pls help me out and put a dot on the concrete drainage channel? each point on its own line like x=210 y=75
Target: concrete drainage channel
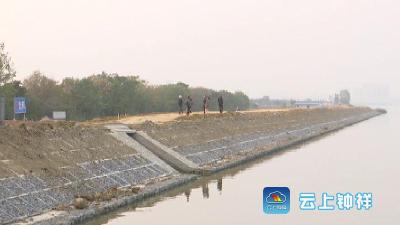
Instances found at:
x=170 y=156
x=124 y=134
x=153 y=160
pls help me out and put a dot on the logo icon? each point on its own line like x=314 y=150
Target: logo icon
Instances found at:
x=276 y=200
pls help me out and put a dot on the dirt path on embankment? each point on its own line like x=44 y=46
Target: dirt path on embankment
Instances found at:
x=160 y=118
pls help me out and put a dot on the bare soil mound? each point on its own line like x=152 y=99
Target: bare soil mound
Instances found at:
x=27 y=147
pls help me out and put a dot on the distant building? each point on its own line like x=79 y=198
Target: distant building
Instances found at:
x=61 y=115
x=336 y=100
x=310 y=103
x=267 y=102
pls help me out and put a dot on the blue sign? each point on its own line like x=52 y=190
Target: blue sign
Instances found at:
x=276 y=200
x=19 y=105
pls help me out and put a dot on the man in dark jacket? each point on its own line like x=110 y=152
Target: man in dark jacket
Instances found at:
x=205 y=104
x=189 y=103
x=180 y=104
x=220 y=104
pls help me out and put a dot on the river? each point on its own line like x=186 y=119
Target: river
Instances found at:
x=361 y=158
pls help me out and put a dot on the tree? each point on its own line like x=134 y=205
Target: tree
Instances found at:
x=344 y=97
x=8 y=87
x=7 y=72
x=164 y=98
x=109 y=94
x=241 y=100
x=69 y=102
x=88 y=99
x=43 y=95
x=124 y=96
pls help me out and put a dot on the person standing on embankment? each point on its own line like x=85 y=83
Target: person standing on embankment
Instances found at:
x=180 y=104
x=221 y=104
x=205 y=104
x=189 y=103
x=206 y=100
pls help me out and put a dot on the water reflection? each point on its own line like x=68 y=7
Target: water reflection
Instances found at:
x=206 y=192
x=205 y=189
x=219 y=185
x=187 y=190
x=187 y=194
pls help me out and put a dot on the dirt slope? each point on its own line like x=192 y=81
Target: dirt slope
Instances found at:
x=195 y=130
x=27 y=147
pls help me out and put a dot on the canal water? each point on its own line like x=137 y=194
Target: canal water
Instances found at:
x=361 y=158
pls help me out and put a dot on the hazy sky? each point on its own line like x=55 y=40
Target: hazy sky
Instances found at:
x=280 y=48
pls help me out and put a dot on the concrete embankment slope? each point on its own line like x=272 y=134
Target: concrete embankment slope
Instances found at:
x=45 y=166
x=220 y=141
